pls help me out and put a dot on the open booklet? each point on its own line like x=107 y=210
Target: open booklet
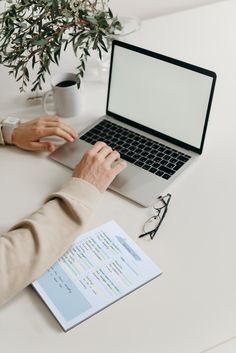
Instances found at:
x=101 y=267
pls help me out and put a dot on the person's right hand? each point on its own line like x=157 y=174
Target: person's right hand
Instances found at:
x=96 y=166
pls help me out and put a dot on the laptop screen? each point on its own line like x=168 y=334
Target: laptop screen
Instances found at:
x=165 y=95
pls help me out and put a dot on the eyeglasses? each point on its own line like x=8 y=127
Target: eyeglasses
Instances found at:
x=159 y=209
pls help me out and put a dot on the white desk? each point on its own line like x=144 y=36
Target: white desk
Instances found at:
x=191 y=307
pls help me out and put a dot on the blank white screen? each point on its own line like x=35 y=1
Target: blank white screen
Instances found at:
x=162 y=96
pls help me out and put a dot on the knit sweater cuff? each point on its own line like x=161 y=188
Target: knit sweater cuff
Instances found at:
x=78 y=192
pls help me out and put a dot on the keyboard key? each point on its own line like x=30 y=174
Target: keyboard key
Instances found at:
x=136 y=156
x=88 y=139
x=166 y=176
x=131 y=135
x=170 y=165
x=174 y=155
x=166 y=157
x=176 y=167
x=163 y=162
x=152 y=170
x=166 y=170
x=138 y=163
x=146 y=166
x=153 y=151
x=142 y=140
x=173 y=160
x=160 y=154
x=138 y=150
x=168 y=151
x=149 y=161
x=127 y=158
x=149 y=143
x=180 y=164
x=124 y=150
x=159 y=173
x=157 y=159
x=156 y=165
x=183 y=158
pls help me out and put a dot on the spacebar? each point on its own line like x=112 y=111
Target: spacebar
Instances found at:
x=127 y=158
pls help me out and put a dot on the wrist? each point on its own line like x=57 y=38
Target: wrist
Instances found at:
x=13 y=136
x=8 y=126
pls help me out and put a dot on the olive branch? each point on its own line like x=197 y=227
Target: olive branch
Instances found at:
x=34 y=33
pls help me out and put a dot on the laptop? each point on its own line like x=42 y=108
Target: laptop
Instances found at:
x=156 y=117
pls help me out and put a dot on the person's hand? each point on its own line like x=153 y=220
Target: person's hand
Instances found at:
x=97 y=166
x=28 y=135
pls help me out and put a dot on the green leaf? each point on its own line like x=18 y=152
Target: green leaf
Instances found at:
x=41 y=42
x=110 y=12
x=33 y=32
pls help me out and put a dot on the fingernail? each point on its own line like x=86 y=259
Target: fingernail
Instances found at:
x=51 y=148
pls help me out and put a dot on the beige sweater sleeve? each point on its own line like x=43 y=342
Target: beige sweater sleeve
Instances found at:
x=33 y=245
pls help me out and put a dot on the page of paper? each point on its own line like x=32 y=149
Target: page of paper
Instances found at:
x=101 y=266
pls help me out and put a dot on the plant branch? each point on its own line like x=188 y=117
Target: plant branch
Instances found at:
x=35 y=32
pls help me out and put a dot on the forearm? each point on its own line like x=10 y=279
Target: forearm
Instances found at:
x=34 y=244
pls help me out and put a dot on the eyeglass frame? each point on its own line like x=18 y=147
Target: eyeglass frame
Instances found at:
x=153 y=232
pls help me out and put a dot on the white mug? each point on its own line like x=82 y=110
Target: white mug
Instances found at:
x=65 y=94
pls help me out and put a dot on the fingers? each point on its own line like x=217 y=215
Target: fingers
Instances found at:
x=96 y=166
x=42 y=146
x=42 y=125
x=51 y=147
x=112 y=157
x=98 y=146
x=105 y=152
x=56 y=131
x=61 y=125
x=119 y=167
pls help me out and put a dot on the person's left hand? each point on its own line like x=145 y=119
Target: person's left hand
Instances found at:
x=28 y=135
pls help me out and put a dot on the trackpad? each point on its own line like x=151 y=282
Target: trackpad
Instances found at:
x=70 y=154
x=134 y=183
x=138 y=185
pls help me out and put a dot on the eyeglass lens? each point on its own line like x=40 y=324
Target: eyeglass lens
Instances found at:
x=159 y=209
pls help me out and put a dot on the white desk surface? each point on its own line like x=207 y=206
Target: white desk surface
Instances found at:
x=191 y=307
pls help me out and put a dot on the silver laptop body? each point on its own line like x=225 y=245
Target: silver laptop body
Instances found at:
x=163 y=100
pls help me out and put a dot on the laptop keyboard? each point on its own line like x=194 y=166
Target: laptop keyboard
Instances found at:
x=138 y=149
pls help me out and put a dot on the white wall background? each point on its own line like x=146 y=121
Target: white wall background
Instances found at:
x=152 y=8
x=149 y=8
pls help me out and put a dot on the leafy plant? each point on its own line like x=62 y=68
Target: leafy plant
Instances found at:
x=34 y=33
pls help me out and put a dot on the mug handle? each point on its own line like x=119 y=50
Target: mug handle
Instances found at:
x=45 y=97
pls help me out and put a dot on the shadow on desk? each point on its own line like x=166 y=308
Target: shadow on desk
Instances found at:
x=42 y=310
